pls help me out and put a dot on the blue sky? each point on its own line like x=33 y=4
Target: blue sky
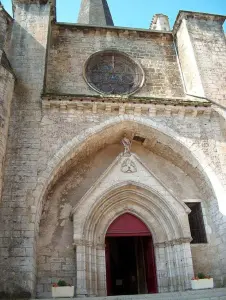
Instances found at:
x=137 y=13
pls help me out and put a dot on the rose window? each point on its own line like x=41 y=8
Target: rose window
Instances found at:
x=113 y=73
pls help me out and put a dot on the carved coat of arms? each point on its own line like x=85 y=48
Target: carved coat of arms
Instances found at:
x=128 y=166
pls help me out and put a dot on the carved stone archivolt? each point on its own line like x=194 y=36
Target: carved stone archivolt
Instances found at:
x=116 y=192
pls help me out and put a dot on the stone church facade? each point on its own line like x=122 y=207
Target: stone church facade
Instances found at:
x=105 y=129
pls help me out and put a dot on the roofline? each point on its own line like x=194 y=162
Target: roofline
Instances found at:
x=201 y=13
x=8 y=17
x=194 y=14
x=87 y=26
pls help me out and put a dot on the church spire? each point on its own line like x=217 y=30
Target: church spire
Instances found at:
x=95 y=12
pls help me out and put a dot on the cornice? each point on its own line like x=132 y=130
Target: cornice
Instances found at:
x=134 y=106
x=132 y=99
x=183 y=14
x=115 y=30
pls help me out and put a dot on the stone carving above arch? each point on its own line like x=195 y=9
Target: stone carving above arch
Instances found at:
x=117 y=191
x=128 y=166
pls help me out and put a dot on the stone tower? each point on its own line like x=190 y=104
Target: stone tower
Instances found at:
x=160 y=22
x=95 y=12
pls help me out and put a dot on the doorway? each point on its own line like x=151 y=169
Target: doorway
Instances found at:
x=130 y=261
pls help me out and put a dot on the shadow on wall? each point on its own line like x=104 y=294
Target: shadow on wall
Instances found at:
x=27 y=57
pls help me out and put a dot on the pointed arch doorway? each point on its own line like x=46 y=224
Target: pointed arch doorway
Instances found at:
x=130 y=258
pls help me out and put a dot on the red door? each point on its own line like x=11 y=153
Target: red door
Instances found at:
x=128 y=225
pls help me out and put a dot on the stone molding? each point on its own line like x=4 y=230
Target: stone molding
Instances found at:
x=165 y=218
x=179 y=241
x=194 y=109
x=129 y=182
x=125 y=31
x=88 y=244
x=174 y=242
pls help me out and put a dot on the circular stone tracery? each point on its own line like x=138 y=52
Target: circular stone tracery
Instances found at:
x=113 y=73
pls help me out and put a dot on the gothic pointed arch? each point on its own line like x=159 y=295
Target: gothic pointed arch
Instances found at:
x=96 y=136
x=164 y=217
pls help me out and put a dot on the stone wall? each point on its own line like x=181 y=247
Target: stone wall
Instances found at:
x=27 y=56
x=202 y=47
x=44 y=144
x=56 y=254
x=6 y=92
x=57 y=129
x=58 y=126
x=56 y=229
x=6 y=22
x=3 y=26
x=71 y=46
x=189 y=67
x=209 y=43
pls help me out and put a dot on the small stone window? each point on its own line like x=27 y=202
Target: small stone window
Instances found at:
x=139 y=139
x=113 y=73
x=196 y=222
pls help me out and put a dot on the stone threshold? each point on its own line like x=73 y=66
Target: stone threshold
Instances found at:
x=210 y=294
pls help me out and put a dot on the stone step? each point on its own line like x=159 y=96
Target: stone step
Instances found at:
x=213 y=294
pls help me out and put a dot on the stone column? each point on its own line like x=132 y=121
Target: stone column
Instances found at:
x=170 y=266
x=174 y=265
x=180 y=266
x=94 y=270
x=188 y=263
x=89 y=272
x=161 y=267
x=101 y=271
x=81 y=288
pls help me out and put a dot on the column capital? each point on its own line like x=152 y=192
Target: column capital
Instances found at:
x=180 y=241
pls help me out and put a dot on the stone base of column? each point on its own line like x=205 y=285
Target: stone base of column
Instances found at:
x=81 y=293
